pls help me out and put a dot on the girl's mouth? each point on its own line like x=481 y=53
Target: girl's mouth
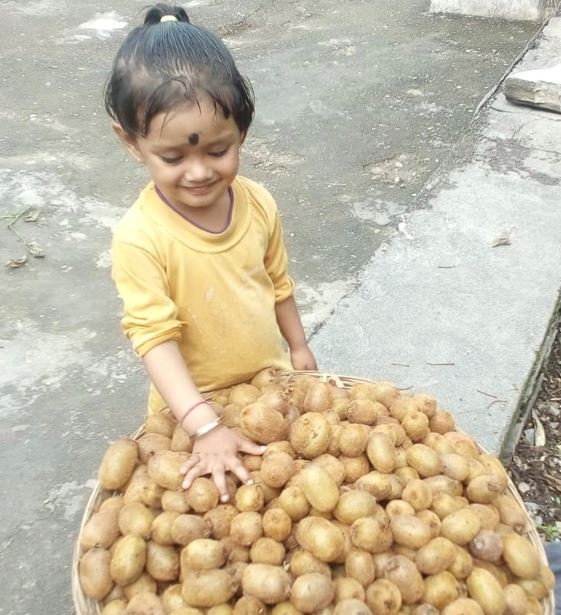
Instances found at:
x=202 y=189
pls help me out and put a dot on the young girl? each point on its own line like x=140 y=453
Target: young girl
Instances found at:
x=199 y=259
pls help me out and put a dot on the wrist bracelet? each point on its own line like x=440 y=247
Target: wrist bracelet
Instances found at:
x=202 y=431
x=189 y=410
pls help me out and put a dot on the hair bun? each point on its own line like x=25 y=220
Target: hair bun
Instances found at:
x=156 y=12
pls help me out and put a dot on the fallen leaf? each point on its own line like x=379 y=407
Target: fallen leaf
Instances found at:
x=540 y=431
x=32 y=215
x=553 y=482
x=14 y=263
x=34 y=249
x=502 y=240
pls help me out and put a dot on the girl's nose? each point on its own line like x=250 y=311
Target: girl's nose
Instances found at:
x=197 y=172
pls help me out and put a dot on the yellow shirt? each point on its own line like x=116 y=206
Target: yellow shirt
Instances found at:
x=215 y=294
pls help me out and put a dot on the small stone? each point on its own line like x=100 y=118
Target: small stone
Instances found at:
x=523 y=487
x=532 y=508
x=530 y=435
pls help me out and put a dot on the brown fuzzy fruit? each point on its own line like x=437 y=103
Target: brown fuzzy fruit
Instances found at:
x=321 y=537
x=277 y=524
x=277 y=468
x=149 y=443
x=410 y=531
x=94 y=573
x=364 y=411
x=383 y=596
x=353 y=438
x=521 y=556
x=202 y=495
x=312 y=592
x=403 y=573
x=487 y=545
x=101 y=529
x=441 y=589
x=165 y=468
x=243 y=394
x=263 y=424
x=118 y=464
x=442 y=422
x=310 y=435
x=416 y=425
x=486 y=590
x=318 y=398
x=270 y=584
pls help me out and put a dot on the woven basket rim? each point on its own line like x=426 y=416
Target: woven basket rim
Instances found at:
x=86 y=606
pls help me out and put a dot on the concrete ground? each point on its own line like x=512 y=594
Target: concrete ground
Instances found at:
x=460 y=303
x=358 y=105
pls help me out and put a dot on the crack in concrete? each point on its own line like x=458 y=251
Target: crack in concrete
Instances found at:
x=521 y=145
x=544 y=114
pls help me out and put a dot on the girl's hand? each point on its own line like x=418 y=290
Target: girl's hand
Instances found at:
x=217 y=453
x=302 y=358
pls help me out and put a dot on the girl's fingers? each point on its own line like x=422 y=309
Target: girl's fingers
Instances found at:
x=190 y=463
x=191 y=475
x=209 y=462
x=246 y=446
x=237 y=468
x=219 y=478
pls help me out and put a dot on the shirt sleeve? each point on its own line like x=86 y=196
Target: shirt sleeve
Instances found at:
x=150 y=316
x=276 y=263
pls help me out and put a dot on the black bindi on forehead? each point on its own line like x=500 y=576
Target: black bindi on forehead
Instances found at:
x=193 y=138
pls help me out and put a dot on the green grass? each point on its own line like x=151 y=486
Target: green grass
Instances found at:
x=550 y=531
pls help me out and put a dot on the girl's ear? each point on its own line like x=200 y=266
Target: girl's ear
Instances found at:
x=128 y=141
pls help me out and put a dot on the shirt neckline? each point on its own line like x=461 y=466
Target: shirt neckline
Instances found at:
x=186 y=233
x=195 y=224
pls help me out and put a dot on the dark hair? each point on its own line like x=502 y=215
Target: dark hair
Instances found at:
x=161 y=64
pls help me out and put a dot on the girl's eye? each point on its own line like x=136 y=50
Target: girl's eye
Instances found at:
x=218 y=154
x=171 y=160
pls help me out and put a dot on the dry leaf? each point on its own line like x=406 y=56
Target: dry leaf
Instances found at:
x=553 y=482
x=540 y=431
x=14 y=263
x=34 y=249
x=502 y=240
x=32 y=215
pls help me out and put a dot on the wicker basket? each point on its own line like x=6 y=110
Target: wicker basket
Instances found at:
x=85 y=606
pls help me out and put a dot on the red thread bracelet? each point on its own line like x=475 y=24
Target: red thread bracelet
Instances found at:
x=189 y=410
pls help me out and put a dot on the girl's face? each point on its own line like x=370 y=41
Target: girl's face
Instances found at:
x=191 y=153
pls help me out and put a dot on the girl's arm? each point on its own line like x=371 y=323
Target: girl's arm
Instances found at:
x=214 y=453
x=292 y=330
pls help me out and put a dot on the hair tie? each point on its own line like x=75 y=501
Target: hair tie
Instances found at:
x=168 y=18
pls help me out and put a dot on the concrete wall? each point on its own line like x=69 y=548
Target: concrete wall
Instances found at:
x=507 y=9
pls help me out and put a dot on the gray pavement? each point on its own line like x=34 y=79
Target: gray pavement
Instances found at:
x=508 y=9
x=442 y=307
x=359 y=104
